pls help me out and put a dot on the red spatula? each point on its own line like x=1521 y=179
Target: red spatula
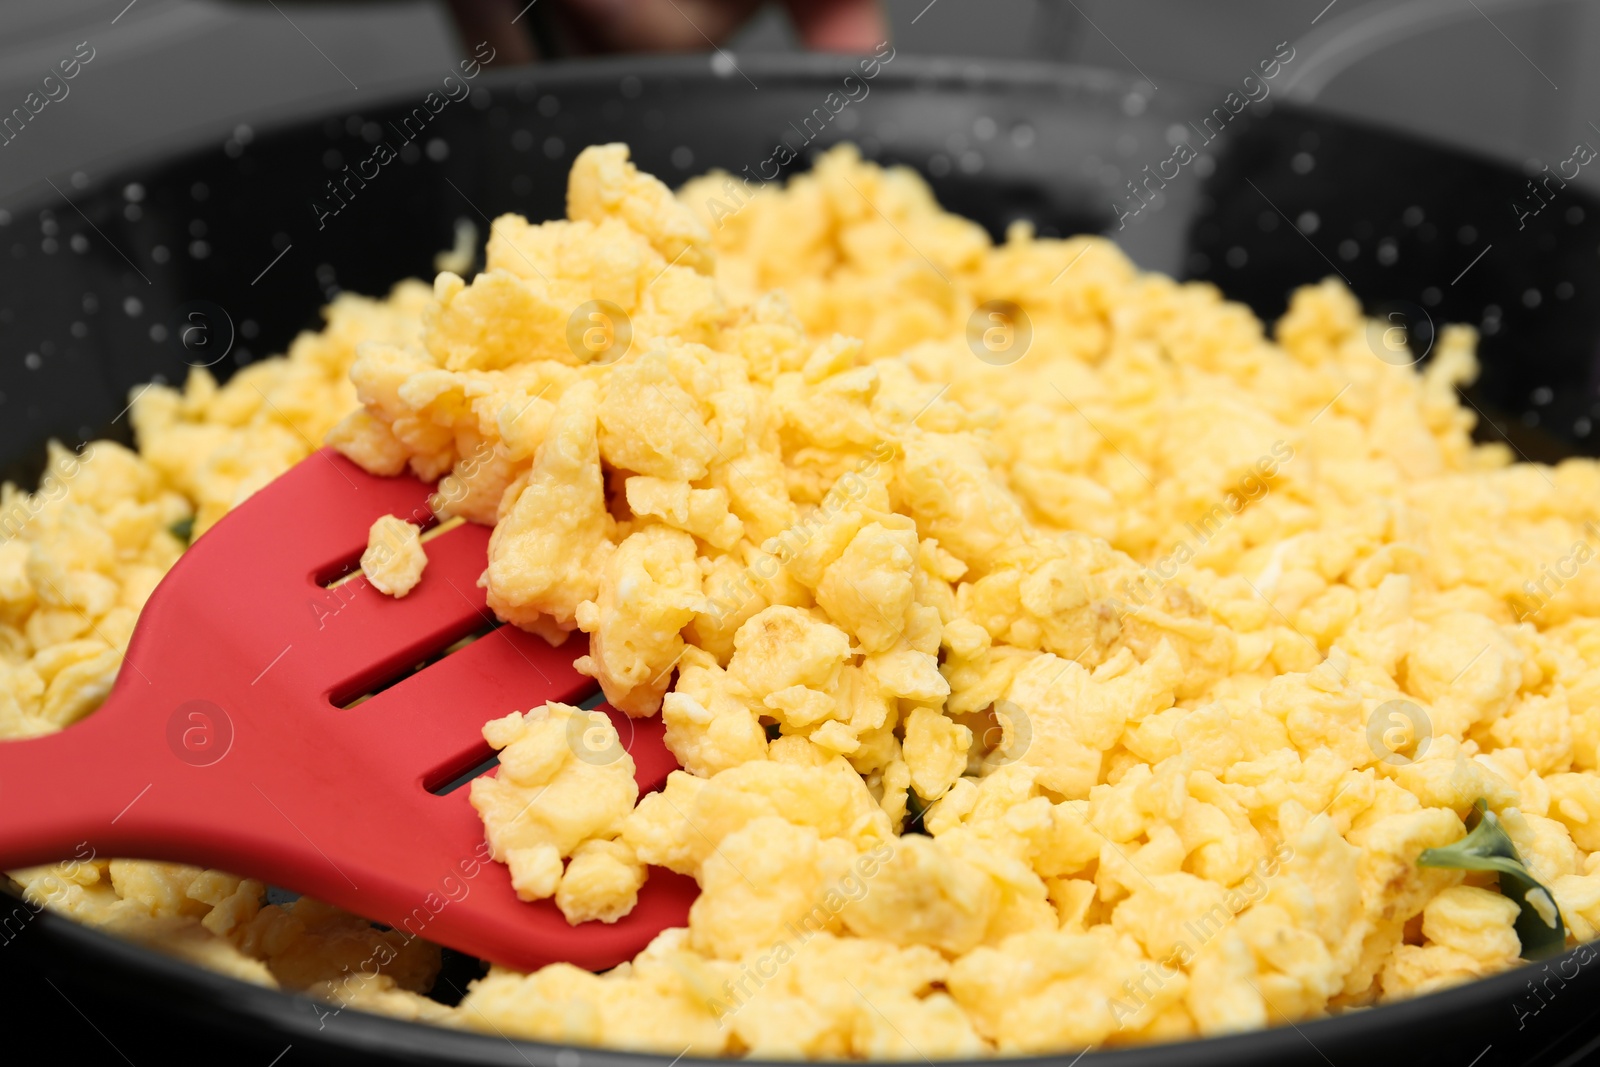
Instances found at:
x=226 y=741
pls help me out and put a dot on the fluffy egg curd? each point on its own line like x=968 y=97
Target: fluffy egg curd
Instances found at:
x=394 y=559
x=1020 y=708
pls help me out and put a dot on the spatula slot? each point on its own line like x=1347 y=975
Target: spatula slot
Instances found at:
x=345 y=700
x=340 y=570
x=447 y=779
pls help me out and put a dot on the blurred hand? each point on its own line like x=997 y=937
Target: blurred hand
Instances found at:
x=591 y=26
x=600 y=26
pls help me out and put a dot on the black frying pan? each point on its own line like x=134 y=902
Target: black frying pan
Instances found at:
x=1421 y=232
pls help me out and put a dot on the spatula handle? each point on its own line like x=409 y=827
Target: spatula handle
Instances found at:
x=62 y=790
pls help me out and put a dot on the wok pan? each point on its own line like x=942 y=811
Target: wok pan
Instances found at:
x=100 y=275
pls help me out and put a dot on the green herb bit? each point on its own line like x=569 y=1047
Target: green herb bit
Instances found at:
x=1487 y=847
x=183 y=529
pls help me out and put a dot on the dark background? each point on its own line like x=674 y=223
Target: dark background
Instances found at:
x=1514 y=78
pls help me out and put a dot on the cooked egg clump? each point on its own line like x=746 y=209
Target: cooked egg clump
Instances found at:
x=394 y=559
x=564 y=786
x=1101 y=695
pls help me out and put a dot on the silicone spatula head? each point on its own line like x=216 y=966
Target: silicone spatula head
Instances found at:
x=229 y=739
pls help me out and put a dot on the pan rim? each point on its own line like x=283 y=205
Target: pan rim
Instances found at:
x=299 y=1015
x=780 y=68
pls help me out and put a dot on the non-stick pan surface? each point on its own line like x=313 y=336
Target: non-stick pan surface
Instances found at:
x=101 y=281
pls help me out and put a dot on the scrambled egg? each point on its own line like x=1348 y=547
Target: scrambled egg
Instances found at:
x=394 y=559
x=1020 y=708
x=564 y=787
